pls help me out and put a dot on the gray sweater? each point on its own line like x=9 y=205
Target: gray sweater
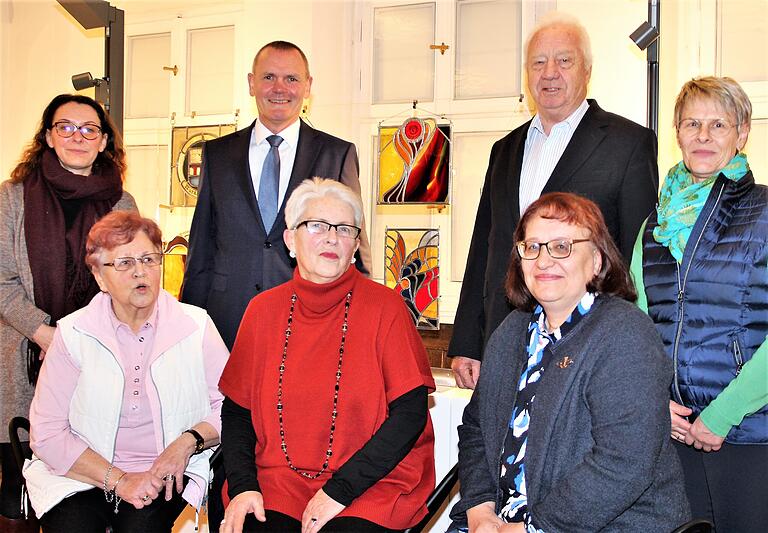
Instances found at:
x=599 y=455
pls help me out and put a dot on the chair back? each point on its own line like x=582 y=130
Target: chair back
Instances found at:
x=436 y=499
x=17 y=423
x=697 y=525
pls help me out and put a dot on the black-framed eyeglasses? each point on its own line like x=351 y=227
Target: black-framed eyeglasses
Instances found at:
x=67 y=129
x=122 y=264
x=557 y=249
x=319 y=227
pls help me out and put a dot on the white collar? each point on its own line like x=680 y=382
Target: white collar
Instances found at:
x=290 y=134
x=572 y=120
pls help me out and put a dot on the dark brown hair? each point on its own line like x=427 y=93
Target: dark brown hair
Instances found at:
x=33 y=155
x=613 y=278
x=116 y=228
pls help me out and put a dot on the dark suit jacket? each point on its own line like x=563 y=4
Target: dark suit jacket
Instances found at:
x=610 y=160
x=231 y=258
x=595 y=459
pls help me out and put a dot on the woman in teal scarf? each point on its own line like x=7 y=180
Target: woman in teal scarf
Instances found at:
x=701 y=268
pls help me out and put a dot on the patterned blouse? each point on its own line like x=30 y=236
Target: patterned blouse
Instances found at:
x=512 y=482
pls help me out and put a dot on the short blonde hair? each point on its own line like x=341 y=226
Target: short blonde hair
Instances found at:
x=724 y=91
x=554 y=19
x=314 y=189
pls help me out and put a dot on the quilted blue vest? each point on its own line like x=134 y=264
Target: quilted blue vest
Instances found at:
x=712 y=309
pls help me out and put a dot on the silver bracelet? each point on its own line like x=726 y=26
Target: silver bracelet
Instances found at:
x=117 y=498
x=108 y=495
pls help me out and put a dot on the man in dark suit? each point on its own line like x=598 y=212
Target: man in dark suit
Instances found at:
x=570 y=145
x=234 y=253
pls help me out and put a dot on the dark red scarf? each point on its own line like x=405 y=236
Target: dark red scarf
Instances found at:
x=59 y=210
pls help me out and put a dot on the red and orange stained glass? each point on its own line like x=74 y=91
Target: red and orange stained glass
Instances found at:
x=411 y=267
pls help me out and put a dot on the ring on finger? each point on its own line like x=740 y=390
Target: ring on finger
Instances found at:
x=145 y=498
x=169 y=477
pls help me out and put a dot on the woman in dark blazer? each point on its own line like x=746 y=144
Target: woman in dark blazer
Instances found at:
x=554 y=438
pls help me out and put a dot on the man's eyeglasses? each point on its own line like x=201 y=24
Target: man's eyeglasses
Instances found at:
x=318 y=227
x=717 y=127
x=557 y=249
x=66 y=129
x=127 y=263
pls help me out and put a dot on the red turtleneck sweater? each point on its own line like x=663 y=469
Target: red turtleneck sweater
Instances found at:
x=383 y=359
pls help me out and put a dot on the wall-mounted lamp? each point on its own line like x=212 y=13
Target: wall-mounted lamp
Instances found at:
x=645 y=35
x=84 y=80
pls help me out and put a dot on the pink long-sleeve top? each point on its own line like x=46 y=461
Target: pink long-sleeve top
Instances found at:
x=139 y=437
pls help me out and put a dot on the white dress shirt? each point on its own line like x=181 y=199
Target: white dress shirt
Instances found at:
x=542 y=152
x=259 y=148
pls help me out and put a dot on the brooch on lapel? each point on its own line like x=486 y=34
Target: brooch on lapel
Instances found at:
x=565 y=362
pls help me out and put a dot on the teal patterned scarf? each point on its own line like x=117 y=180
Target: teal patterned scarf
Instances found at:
x=681 y=200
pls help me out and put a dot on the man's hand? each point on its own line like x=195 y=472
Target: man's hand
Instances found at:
x=466 y=371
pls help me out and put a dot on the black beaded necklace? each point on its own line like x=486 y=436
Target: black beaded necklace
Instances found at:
x=283 y=444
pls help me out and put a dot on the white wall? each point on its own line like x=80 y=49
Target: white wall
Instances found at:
x=41 y=46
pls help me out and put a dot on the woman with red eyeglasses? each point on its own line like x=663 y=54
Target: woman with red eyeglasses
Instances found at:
x=69 y=176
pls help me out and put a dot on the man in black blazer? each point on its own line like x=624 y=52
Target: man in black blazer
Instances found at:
x=232 y=256
x=570 y=145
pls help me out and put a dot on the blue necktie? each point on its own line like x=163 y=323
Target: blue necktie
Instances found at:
x=270 y=182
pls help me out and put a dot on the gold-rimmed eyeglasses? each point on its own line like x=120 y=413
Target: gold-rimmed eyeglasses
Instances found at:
x=557 y=249
x=122 y=264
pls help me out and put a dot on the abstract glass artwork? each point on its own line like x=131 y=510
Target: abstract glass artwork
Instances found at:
x=411 y=267
x=174 y=261
x=414 y=162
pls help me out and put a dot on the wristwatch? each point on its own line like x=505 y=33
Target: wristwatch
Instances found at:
x=199 y=441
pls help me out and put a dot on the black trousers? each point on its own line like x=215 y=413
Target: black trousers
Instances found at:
x=278 y=523
x=728 y=487
x=10 y=481
x=89 y=512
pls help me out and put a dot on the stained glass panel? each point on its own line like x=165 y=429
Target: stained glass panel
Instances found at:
x=411 y=267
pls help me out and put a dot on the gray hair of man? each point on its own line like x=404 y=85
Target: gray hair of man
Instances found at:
x=315 y=189
x=725 y=92
x=554 y=19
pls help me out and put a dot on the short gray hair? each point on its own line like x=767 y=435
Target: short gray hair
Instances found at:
x=554 y=19
x=314 y=189
x=724 y=91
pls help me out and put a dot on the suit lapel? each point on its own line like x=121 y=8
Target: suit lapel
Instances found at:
x=588 y=135
x=307 y=150
x=517 y=148
x=241 y=168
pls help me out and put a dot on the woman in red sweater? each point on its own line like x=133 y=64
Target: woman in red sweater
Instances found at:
x=325 y=421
